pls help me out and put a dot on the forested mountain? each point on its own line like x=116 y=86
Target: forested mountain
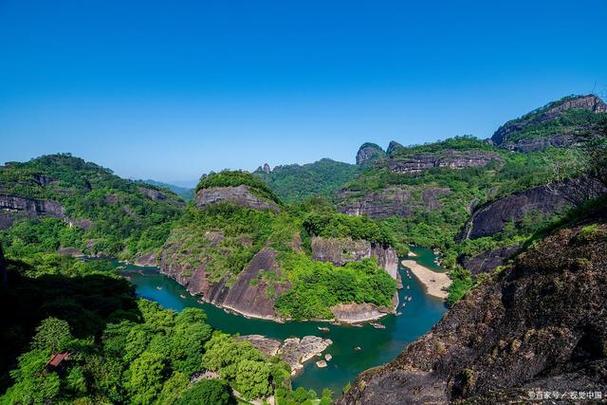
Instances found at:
x=60 y=201
x=297 y=182
x=316 y=241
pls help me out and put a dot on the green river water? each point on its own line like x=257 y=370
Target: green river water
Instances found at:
x=377 y=346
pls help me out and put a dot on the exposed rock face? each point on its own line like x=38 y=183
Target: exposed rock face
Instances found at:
x=391 y=201
x=294 y=351
x=490 y=218
x=146 y=260
x=240 y=195
x=340 y=251
x=488 y=261
x=451 y=159
x=369 y=152
x=539 y=325
x=13 y=207
x=248 y=294
x=356 y=313
x=552 y=111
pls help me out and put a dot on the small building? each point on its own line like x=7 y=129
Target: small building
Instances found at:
x=57 y=361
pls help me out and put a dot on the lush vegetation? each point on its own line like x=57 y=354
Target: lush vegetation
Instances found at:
x=121 y=350
x=114 y=217
x=297 y=182
x=234 y=178
x=227 y=237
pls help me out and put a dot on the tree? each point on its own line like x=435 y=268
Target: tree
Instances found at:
x=145 y=377
x=208 y=392
x=253 y=379
x=53 y=334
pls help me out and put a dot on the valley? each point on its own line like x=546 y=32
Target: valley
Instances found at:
x=149 y=295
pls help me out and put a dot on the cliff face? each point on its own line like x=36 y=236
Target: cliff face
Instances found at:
x=239 y=195
x=492 y=217
x=368 y=153
x=340 y=251
x=488 y=261
x=391 y=201
x=13 y=207
x=506 y=135
x=450 y=159
x=248 y=294
x=540 y=324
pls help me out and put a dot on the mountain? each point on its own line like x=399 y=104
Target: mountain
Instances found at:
x=240 y=247
x=298 y=182
x=538 y=325
x=186 y=193
x=61 y=202
x=559 y=123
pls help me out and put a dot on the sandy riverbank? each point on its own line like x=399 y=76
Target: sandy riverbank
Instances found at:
x=434 y=283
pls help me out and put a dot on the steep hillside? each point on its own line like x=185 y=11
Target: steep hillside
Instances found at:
x=241 y=248
x=559 y=123
x=298 y=182
x=537 y=325
x=60 y=202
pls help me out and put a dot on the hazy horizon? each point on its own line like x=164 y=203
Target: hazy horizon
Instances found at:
x=168 y=92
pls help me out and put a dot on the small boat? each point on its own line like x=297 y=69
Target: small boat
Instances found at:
x=408 y=287
x=378 y=325
x=399 y=313
x=182 y=296
x=357 y=349
x=323 y=329
x=409 y=298
x=158 y=287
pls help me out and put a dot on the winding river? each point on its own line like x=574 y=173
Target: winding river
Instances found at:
x=354 y=349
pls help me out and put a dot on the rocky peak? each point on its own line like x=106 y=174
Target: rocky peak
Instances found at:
x=393 y=147
x=241 y=195
x=266 y=168
x=547 y=113
x=369 y=152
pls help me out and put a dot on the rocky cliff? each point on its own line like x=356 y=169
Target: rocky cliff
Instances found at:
x=491 y=218
x=340 y=251
x=368 y=153
x=539 y=325
x=531 y=131
x=451 y=159
x=488 y=261
x=391 y=201
x=13 y=207
x=249 y=294
x=241 y=195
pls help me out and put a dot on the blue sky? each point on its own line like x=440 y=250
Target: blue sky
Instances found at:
x=171 y=89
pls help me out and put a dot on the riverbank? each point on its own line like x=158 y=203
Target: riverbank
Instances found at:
x=435 y=284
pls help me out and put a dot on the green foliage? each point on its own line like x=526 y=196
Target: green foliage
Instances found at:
x=207 y=392
x=297 y=182
x=234 y=178
x=333 y=225
x=52 y=334
x=462 y=283
x=317 y=286
x=145 y=376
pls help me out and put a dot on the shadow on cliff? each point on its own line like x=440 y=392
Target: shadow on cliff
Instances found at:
x=87 y=303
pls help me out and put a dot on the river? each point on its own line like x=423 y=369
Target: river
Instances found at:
x=354 y=349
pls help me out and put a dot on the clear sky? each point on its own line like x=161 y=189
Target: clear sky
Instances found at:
x=171 y=89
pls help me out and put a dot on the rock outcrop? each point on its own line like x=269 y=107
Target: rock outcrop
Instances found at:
x=539 y=325
x=491 y=218
x=357 y=313
x=451 y=159
x=13 y=207
x=340 y=251
x=394 y=147
x=391 y=201
x=506 y=135
x=294 y=351
x=240 y=195
x=248 y=294
x=488 y=261
x=368 y=153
